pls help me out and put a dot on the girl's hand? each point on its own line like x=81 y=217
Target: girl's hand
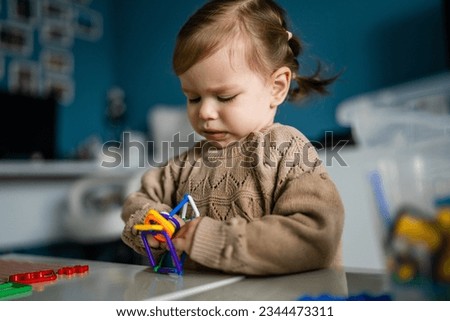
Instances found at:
x=154 y=243
x=182 y=240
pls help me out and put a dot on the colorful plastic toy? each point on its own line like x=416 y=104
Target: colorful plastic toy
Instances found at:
x=363 y=296
x=47 y=275
x=419 y=251
x=162 y=226
x=20 y=284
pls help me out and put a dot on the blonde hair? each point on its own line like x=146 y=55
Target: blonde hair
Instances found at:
x=262 y=25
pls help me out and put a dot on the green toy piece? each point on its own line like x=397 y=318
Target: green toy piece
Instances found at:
x=10 y=290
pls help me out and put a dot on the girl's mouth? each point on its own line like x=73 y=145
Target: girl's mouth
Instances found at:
x=214 y=135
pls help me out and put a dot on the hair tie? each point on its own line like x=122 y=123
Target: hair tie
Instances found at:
x=289 y=35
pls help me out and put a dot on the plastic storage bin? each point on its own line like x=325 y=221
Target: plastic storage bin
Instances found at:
x=417 y=175
x=401 y=115
x=408 y=127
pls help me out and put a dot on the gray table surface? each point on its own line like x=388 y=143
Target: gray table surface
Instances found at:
x=107 y=281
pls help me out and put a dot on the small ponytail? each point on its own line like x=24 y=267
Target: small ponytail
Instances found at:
x=307 y=85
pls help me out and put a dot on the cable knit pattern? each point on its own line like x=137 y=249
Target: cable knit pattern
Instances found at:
x=269 y=205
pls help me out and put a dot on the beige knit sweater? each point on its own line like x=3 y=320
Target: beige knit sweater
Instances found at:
x=269 y=206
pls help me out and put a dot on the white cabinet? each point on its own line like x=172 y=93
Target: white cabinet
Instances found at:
x=38 y=205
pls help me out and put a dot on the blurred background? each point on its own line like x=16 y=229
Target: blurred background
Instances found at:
x=88 y=96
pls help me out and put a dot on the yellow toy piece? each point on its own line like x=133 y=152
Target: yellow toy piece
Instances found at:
x=419 y=231
x=443 y=219
x=147 y=227
x=154 y=221
x=406 y=272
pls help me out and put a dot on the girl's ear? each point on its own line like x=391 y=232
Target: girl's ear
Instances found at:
x=281 y=81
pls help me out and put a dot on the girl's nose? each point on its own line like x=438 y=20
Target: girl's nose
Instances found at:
x=207 y=110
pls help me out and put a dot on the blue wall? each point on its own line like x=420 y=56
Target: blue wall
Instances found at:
x=95 y=73
x=375 y=43
x=147 y=36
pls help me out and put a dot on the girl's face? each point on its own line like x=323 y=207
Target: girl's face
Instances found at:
x=226 y=100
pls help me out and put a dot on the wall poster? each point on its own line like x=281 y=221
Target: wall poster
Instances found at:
x=16 y=39
x=24 y=11
x=23 y=77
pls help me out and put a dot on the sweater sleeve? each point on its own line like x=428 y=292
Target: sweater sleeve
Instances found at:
x=156 y=192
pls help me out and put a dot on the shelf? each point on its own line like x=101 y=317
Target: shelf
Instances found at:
x=59 y=168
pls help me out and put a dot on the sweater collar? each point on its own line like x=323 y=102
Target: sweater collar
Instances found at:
x=235 y=149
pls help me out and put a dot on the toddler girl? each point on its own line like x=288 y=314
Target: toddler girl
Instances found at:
x=267 y=204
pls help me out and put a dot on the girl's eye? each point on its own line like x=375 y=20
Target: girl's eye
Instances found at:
x=226 y=99
x=194 y=100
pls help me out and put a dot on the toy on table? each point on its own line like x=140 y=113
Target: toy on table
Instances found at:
x=363 y=296
x=162 y=226
x=10 y=290
x=18 y=277
x=70 y=270
x=33 y=277
x=47 y=275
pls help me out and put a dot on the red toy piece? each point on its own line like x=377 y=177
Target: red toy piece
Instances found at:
x=33 y=277
x=76 y=269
